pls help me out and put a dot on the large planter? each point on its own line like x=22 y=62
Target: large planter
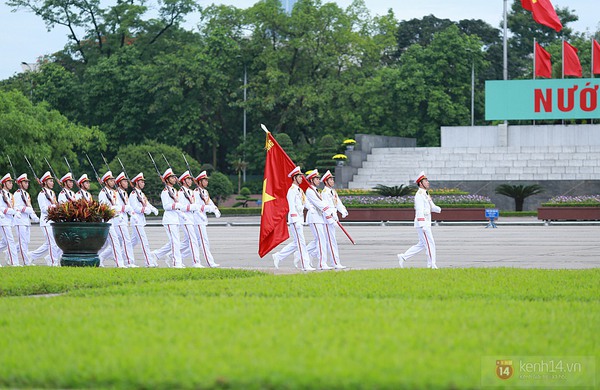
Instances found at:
x=408 y=214
x=569 y=213
x=80 y=242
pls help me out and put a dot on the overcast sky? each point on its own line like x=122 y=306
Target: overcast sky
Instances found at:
x=23 y=36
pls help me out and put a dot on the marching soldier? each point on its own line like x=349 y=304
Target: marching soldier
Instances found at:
x=108 y=196
x=331 y=198
x=84 y=188
x=23 y=220
x=123 y=226
x=205 y=205
x=187 y=199
x=47 y=200
x=319 y=214
x=296 y=204
x=171 y=222
x=141 y=207
x=67 y=193
x=423 y=207
x=6 y=223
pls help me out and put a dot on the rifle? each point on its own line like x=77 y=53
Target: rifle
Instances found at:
x=13 y=168
x=69 y=166
x=32 y=171
x=156 y=167
x=53 y=173
x=124 y=171
x=105 y=162
x=94 y=169
x=187 y=164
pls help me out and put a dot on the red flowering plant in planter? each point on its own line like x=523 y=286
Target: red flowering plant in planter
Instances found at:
x=80 y=211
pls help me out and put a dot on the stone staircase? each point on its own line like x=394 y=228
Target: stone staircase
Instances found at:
x=396 y=166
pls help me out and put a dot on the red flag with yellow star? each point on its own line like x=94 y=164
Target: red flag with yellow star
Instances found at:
x=273 y=220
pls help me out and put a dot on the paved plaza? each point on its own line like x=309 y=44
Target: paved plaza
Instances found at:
x=517 y=242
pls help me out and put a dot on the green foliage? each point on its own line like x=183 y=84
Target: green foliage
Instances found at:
x=38 y=132
x=519 y=192
x=400 y=190
x=326 y=148
x=219 y=187
x=135 y=158
x=424 y=315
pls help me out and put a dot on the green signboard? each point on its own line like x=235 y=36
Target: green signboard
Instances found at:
x=542 y=99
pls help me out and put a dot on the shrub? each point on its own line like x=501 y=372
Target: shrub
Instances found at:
x=400 y=190
x=574 y=201
x=519 y=192
x=219 y=187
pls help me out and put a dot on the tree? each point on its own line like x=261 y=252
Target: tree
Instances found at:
x=38 y=132
x=519 y=192
x=219 y=187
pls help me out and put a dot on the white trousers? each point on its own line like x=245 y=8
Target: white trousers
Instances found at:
x=426 y=243
x=126 y=244
x=112 y=248
x=332 y=246
x=204 y=245
x=189 y=244
x=296 y=246
x=318 y=247
x=49 y=245
x=172 y=248
x=139 y=237
x=11 y=248
x=23 y=239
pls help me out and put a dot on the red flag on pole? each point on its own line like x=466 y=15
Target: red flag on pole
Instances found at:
x=596 y=57
x=543 y=13
x=543 y=66
x=273 y=220
x=571 y=65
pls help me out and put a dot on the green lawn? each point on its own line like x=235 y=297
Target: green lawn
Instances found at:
x=400 y=328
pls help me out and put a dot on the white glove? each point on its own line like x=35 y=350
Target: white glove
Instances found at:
x=217 y=213
x=194 y=207
x=29 y=210
x=330 y=220
x=148 y=210
x=178 y=206
x=34 y=218
x=344 y=214
x=436 y=209
x=154 y=210
x=209 y=208
x=10 y=211
x=128 y=209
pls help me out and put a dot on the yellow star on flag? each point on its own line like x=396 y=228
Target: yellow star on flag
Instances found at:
x=265 y=197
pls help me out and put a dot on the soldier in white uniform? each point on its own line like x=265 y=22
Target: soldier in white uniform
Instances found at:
x=331 y=198
x=84 y=188
x=47 y=200
x=6 y=223
x=141 y=207
x=205 y=205
x=23 y=221
x=123 y=227
x=108 y=196
x=67 y=184
x=189 y=207
x=319 y=214
x=423 y=207
x=171 y=222
x=296 y=204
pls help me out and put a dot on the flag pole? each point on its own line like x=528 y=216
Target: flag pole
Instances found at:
x=262 y=126
x=563 y=58
x=346 y=232
x=534 y=55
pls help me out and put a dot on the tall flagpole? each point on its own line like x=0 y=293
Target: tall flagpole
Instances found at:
x=505 y=42
x=534 y=55
x=563 y=58
x=592 y=63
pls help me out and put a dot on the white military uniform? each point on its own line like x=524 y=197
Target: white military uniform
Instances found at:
x=296 y=203
x=83 y=194
x=189 y=244
x=170 y=221
x=47 y=199
x=6 y=223
x=66 y=194
x=141 y=208
x=123 y=228
x=112 y=247
x=319 y=214
x=331 y=198
x=423 y=207
x=22 y=222
x=205 y=205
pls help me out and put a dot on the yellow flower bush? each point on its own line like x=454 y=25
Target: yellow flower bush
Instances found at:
x=349 y=141
x=339 y=157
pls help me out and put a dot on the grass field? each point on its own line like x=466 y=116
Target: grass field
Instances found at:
x=400 y=328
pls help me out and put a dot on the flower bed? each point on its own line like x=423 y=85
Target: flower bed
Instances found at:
x=571 y=208
x=388 y=208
